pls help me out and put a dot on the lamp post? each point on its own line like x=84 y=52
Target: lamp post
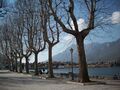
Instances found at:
x=71 y=50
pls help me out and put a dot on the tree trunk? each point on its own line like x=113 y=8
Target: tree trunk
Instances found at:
x=9 y=65
x=20 y=69
x=83 y=71
x=27 y=65
x=12 y=65
x=16 y=65
x=50 y=65
x=36 y=64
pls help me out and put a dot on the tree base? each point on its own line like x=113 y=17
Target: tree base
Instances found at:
x=84 y=81
x=20 y=72
x=49 y=76
x=27 y=72
x=36 y=74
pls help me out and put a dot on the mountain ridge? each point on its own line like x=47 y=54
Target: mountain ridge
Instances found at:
x=95 y=52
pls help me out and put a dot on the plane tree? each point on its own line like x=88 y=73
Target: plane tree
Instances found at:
x=21 y=8
x=32 y=27
x=51 y=33
x=66 y=14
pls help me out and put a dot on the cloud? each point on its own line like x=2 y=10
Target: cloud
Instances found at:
x=81 y=24
x=115 y=17
x=69 y=39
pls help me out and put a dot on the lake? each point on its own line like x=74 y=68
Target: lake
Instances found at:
x=103 y=71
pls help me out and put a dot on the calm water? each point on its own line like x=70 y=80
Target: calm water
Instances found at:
x=109 y=71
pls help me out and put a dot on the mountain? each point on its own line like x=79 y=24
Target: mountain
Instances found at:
x=95 y=52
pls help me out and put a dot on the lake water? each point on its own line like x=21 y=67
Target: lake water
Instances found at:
x=109 y=71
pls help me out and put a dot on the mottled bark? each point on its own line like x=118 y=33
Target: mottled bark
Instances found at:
x=16 y=65
x=83 y=71
x=20 y=69
x=12 y=65
x=50 y=65
x=36 y=64
x=27 y=65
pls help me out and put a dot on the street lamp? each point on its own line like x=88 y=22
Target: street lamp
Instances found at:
x=71 y=50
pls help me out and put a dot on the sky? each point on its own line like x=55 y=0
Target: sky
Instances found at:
x=11 y=1
x=110 y=34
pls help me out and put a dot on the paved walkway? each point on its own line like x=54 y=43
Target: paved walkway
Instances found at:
x=16 y=81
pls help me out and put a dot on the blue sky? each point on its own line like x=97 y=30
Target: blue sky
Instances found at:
x=100 y=36
x=110 y=34
x=11 y=1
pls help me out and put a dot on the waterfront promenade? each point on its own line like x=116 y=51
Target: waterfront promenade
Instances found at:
x=17 y=81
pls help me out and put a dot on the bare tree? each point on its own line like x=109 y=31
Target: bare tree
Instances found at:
x=52 y=38
x=33 y=33
x=23 y=12
x=5 y=46
x=13 y=40
x=19 y=49
x=92 y=9
x=51 y=33
x=16 y=38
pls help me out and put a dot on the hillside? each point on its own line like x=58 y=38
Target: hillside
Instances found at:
x=95 y=52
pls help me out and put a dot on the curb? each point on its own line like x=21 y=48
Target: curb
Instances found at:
x=87 y=83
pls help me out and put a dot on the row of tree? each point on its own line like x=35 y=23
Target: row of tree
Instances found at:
x=34 y=24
